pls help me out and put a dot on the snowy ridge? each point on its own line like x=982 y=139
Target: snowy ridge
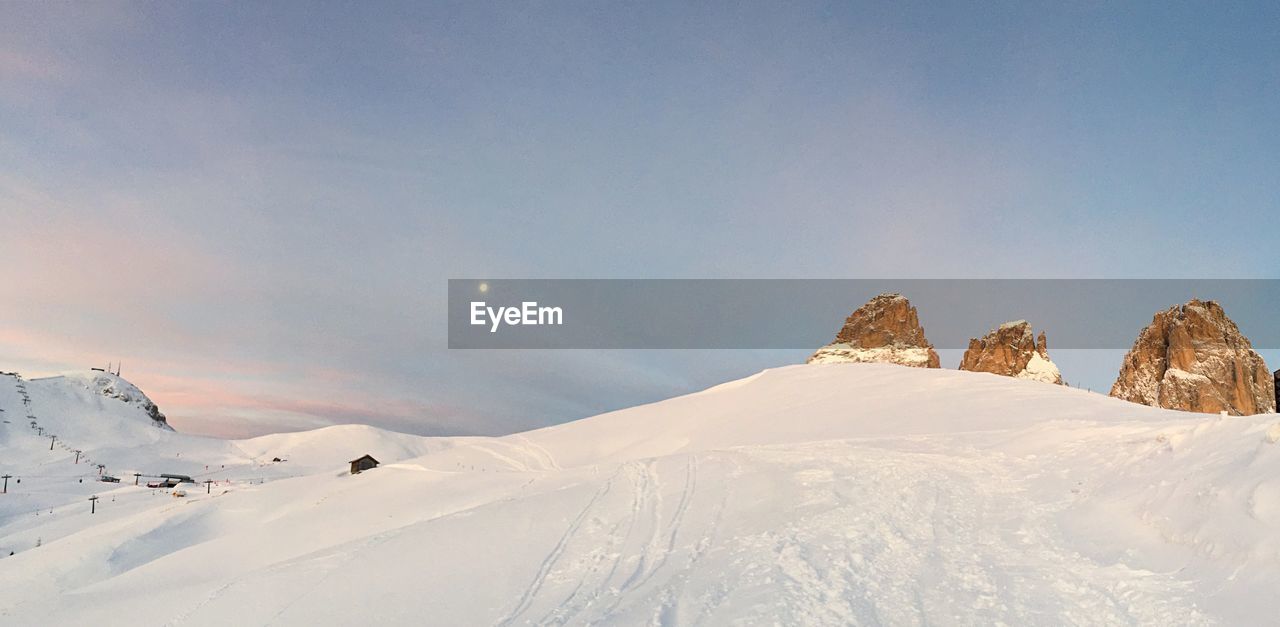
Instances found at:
x=840 y=494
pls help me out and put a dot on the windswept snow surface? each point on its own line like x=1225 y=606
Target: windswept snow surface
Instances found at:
x=818 y=494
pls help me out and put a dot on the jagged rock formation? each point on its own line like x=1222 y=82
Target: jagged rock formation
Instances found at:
x=1012 y=350
x=885 y=330
x=1277 y=388
x=1193 y=357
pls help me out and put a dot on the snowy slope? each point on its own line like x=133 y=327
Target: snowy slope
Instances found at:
x=818 y=494
x=107 y=419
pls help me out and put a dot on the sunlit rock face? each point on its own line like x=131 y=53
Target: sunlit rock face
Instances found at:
x=1012 y=350
x=885 y=330
x=1193 y=357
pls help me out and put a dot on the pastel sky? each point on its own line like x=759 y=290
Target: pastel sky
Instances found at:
x=256 y=206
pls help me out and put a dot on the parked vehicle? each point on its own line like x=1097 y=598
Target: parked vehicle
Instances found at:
x=109 y=479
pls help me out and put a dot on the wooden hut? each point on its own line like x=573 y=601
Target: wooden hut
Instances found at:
x=362 y=463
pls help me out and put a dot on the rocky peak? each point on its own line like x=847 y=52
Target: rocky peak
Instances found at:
x=885 y=330
x=1012 y=350
x=1193 y=357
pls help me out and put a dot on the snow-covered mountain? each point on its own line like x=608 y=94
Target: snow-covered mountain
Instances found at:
x=815 y=494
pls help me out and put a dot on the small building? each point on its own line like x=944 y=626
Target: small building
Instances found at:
x=362 y=463
x=169 y=480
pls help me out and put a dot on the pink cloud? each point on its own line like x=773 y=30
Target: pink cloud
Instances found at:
x=219 y=408
x=100 y=262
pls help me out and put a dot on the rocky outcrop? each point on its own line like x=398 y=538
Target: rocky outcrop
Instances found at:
x=1193 y=357
x=1012 y=350
x=885 y=330
x=112 y=386
x=1277 y=388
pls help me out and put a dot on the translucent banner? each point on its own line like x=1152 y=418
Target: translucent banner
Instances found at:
x=807 y=313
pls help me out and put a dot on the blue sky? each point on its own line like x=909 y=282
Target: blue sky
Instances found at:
x=257 y=206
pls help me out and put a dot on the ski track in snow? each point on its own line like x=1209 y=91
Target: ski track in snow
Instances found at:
x=512 y=462
x=548 y=562
x=548 y=460
x=633 y=548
